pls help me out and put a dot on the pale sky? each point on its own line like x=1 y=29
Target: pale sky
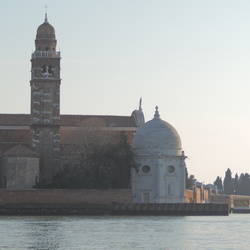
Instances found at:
x=191 y=58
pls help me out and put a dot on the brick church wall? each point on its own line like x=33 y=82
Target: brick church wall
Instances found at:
x=64 y=197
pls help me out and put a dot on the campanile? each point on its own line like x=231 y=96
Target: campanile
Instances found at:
x=45 y=100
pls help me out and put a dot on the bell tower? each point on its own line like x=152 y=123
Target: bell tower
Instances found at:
x=45 y=100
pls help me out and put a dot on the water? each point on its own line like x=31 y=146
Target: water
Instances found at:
x=107 y=232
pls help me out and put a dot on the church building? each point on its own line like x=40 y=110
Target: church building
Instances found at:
x=33 y=147
x=45 y=134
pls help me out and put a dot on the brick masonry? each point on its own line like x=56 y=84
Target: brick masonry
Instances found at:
x=62 y=196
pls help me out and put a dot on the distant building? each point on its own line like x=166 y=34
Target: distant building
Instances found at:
x=34 y=147
x=214 y=188
x=19 y=168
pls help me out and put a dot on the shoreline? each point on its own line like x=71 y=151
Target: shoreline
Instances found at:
x=117 y=209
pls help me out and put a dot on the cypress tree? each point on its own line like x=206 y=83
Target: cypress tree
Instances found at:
x=228 y=182
x=218 y=183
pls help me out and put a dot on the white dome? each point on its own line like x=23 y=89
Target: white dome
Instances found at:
x=157 y=137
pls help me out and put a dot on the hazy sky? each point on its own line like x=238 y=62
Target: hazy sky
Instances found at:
x=191 y=58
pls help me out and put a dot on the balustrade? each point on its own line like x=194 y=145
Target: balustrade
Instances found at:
x=47 y=54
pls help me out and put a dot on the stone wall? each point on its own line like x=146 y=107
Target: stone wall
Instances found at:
x=189 y=196
x=19 y=172
x=199 y=196
x=222 y=199
x=71 y=197
x=206 y=196
x=59 y=197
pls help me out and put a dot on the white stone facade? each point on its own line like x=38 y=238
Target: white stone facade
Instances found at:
x=19 y=168
x=161 y=175
x=20 y=172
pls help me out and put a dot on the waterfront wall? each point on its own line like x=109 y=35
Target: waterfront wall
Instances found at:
x=79 y=196
x=121 y=209
x=217 y=199
x=64 y=197
x=94 y=202
x=200 y=195
x=170 y=209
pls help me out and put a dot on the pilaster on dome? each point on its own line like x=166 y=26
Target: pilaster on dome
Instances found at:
x=157 y=115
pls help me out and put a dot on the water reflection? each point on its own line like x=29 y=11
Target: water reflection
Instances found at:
x=106 y=232
x=44 y=233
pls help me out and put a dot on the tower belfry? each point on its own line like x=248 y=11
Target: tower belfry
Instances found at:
x=45 y=100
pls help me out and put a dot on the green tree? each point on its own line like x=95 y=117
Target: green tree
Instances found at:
x=105 y=166
x=244 y=184
x=241 y=186
x=190 y=180
x=236 y=184
x=228 y=182
x=218 y=183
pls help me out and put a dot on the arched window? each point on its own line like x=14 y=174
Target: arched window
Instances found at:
x=44 y=68
x=50 y=69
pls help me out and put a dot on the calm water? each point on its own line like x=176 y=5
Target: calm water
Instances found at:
x=103 y=232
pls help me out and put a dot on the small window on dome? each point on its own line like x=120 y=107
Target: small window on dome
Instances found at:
x=145 y=169
x=171 y=169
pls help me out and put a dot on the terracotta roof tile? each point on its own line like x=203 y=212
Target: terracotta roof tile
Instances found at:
x=15 y=119
x=99 y=120
x=20 y=150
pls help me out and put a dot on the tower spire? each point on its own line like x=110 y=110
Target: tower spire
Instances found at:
x=46 y=18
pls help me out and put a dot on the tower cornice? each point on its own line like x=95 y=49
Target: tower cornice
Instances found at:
x=46 y=54
x=47 y=82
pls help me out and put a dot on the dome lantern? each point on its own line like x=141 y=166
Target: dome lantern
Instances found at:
x=45 y=37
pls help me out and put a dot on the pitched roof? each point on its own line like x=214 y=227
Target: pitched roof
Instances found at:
x=99 y=120
x=20 y=151
x=72 y=120
x=15 y=119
